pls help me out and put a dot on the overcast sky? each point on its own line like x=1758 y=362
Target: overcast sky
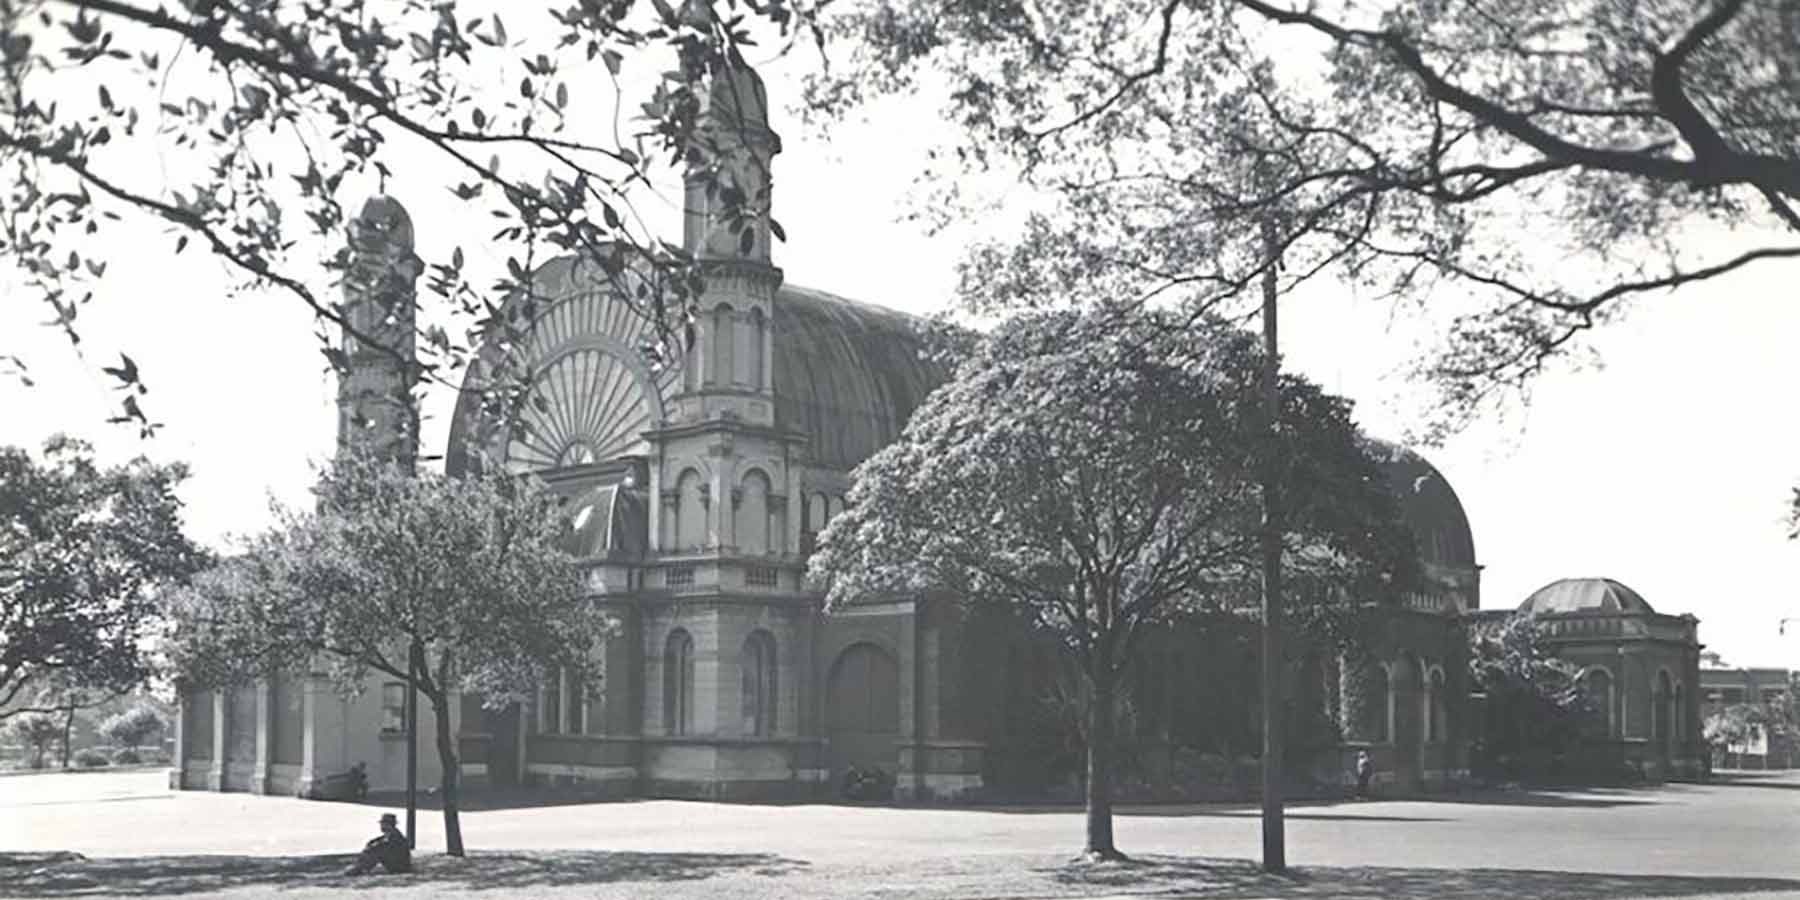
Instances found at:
x=1667 y=469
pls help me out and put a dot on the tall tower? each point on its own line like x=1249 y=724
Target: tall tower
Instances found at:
x=728 y=371
x=376 y=407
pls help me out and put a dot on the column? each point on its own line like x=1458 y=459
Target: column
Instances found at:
x=259 y=776
x=215 y=778
x=178 y=765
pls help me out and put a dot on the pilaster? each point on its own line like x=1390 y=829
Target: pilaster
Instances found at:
x=259 y=776
x=215 y=777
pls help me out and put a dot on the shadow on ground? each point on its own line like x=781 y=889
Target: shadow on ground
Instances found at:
x=1235 y=878
x=53 y=875
x=1753 y=781
x=491 y=799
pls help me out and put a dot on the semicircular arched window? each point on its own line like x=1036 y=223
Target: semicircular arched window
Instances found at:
x=678 y=682
x=759 y=695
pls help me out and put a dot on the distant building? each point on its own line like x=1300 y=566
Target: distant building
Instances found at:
x=1639 y=668
x=1771 y=689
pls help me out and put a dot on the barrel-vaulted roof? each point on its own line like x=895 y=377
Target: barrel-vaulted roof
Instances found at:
x=847 y=374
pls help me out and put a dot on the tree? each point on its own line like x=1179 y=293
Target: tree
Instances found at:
x=1734 y=728
x=263 y=116
x=1533 y=701
x=1409 y=145
x=1095 y=474
x=35 y=732
x=133 y=727
x=83 y=550
x=467 y=579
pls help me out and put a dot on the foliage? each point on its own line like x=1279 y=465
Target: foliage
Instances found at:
x=1534 y=705
x=264 y=117
x=83 y=550
x=35 y=732
x=1095 y=473
x=136 y=726
x=1403 y=146
x=91 y=758
x=1736 y=725
x=469 y=579
x=126 y=756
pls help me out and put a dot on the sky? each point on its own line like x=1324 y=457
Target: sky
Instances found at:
x=1667 y=469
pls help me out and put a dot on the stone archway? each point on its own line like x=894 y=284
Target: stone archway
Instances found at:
x=1407 y=687
x=862 y=711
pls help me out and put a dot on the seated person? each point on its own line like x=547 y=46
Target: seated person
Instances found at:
x=390 y=850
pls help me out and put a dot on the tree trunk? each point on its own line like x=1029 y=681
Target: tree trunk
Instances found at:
x=446 y=746
x=1099 y=767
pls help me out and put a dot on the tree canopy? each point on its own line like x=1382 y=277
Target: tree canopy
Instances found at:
x=269 y=119
x=83 y=551
x=1096 y=473
x=450 y=585
x=1405 y=147
x=1533 y=704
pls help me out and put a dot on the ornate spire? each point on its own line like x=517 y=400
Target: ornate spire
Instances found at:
x=375 y=395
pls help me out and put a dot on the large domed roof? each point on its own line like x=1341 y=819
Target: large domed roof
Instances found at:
x=1429 y=507
x=1583 y=595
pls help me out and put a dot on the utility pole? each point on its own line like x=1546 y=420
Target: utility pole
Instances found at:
x=1274 y=835
x=412 y=746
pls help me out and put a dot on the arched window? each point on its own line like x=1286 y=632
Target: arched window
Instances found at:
x=678 y=682
x=758 y=665
x=1597 y=687
x=758 y=329
x=1662 y=715
x=1676 y=717
x=751 y=525
x=1381 y=705
x=724 y=335
x=1438 y=725
x=690 y=512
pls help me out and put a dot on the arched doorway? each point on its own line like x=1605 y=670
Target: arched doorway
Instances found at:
x=862 y=711
x=1408 y=691
x=1663 y=713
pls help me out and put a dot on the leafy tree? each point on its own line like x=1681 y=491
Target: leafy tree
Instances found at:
x=133 y=727
x=83 y=549
x=1534 y=703
x=35 y=732
x=1735 y=727
x=1404 y=146
x=263 y=115
x=468 y=579
x=1096 y=475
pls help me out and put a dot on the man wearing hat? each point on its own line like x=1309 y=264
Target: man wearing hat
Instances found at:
x=389 y=850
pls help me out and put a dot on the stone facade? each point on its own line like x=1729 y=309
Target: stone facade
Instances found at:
x=1640 y=670
x=698 y=491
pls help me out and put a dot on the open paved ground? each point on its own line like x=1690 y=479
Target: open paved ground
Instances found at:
x=1737 y=839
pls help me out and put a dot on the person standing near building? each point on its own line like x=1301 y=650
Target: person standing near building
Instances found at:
x=1365 y=772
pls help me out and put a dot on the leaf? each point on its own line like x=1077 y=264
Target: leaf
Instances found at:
x=615 y=61
x=499 y=29
x=181 y=244
x=562 y=95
